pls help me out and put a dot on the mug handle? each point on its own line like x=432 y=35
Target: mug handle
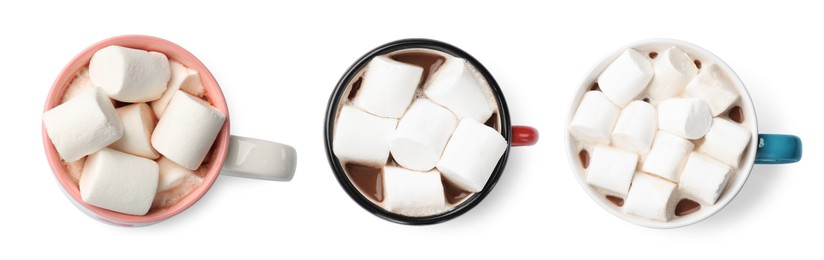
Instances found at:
x=778 y=149
x=524 y=135
x=259 y=159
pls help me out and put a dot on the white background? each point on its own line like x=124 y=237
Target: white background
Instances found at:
x=278 y=64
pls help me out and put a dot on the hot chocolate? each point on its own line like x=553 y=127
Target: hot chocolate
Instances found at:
x=139 y=121
x=368 y=175
x=676 y=121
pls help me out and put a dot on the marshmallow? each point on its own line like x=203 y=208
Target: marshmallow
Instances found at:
x=80 y=84
x=362 y=137
x=626 y=77
x=673 y=70
x=171 y=174
x=594 y=119
x=388 y=87
x=172 y=196
x=688 y=118
x=138 y=124
x=130 y=75
x=119 y=182
x=412 y=193
x=651 y=197
x=456 y=86
x=715 y=88
x=421 y=135
x=471 y=155
x=666 y=158
x=181 y=78
x=611 y=170
x=259 y=159
x=725 y=141
x=636 y=127
x=75 y=168
x=83 y=125
x=703 y=178
x=187 y=130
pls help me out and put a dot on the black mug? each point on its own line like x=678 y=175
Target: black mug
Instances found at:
x=514 y=135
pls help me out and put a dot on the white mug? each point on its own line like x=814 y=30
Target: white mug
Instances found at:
x=762 y=149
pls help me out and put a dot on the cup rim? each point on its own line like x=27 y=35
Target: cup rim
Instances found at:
x=331 y=112
x=174 y=52
x=735 y=184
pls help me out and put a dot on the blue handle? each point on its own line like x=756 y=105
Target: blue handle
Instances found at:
x=778 y=149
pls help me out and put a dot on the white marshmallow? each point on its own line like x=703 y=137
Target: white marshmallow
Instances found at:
x=688 y=118
x=79 y=84
x=171 y=174
x=259 y=159
x=388 y=87
x=673 y=70
x=626 y=77
x=83 y=125
x=471 y=155
x=130 y=75
x=651 y=197
x=611 y=170
x=725 y=141
x=636 y=127
x=362 y=137
x=412 y=193
x=714 y=87
x=594 y=119
x=178 y=192
x=456 y=86
x=192 y=83
x=138 y=124
x=119 y=182
x=421 y=135
x=75 y=168
x=703 y=178
x=667 y=156
x=181 y=78
x=187 y=130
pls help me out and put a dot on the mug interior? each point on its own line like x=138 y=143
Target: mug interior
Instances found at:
x=213 y=93
x=750 y=123
x=341 y=94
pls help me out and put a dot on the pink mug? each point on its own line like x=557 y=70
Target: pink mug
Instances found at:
x=230 y=155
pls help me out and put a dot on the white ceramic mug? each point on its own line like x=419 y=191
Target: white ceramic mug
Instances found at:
x=762 y=149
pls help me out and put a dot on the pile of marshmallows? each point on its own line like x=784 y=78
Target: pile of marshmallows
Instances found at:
x=442 y=130
x=120 y=173
x=684 y=105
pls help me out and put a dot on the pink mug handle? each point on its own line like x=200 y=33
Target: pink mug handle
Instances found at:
x=524 y=135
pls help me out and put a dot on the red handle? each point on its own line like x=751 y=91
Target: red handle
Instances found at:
x=524 y=135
